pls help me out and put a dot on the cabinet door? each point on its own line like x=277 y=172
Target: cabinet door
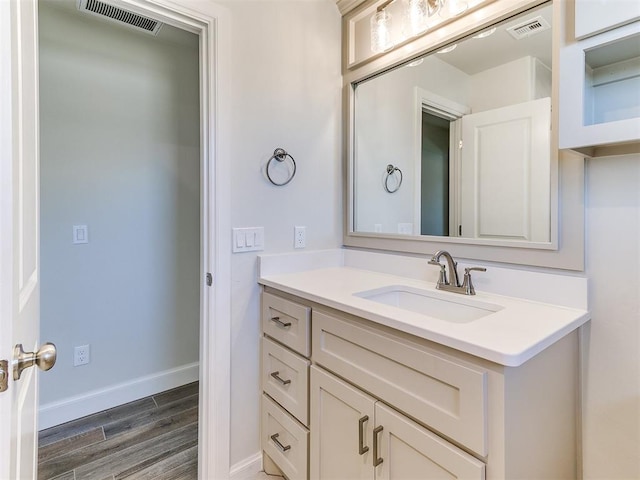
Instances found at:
x=341 y=429
x=593 y=17
x=409 y=451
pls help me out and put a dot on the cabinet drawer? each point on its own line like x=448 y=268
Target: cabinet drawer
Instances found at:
x=284 y=440
x=448 y=396
x=287 y=322
x=285 y=377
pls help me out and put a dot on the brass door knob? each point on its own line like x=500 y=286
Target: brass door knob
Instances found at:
x=44 y=358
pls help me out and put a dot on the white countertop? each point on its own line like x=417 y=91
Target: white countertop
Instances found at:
x=510 y=337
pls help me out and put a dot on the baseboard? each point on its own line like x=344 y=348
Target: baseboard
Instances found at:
x=246 y=468
x=78 y=406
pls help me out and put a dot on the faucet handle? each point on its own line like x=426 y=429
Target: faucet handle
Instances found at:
x=467 y=284
x=442 y=279
x=477 y=269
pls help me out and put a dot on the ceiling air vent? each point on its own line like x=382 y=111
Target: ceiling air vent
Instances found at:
x=529 y=28
x=116 y=14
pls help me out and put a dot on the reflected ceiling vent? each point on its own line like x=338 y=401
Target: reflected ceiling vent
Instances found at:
x=123 y=17
x=529 y=28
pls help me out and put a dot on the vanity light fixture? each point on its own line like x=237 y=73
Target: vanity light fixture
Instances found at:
x=414 y=21
x=486 y=33
x=415 y=63
x=416 y=13
x=453 y=8
x=381 y=29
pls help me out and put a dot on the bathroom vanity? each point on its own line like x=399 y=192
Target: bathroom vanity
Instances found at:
x=358 y=384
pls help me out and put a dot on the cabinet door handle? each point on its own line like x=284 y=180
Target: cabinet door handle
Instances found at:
x=280 y=322
x=281 y=447
x=277 y=376
x=376 y=460
x=362 y=449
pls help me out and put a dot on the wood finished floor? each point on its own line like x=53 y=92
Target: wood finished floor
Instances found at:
x=152 y=438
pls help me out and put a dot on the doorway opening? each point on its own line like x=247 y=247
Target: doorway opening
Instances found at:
x=434 y=183
x=121 y=222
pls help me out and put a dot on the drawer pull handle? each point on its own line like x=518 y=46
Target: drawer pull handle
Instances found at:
x=362 y=449
x=277 y=376
x=280 y=322
x=376 y=460
x=281 y=447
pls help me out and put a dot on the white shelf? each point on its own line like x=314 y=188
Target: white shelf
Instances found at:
x=600 y=90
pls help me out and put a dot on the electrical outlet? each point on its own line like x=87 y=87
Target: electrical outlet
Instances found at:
x=300 y=237
x=81 y=355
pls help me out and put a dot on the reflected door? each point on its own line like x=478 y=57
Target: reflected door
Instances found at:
x=505 y=173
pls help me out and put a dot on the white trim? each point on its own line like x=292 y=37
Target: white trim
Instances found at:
x=247 y=468
x=78 y=406
x=6 y=223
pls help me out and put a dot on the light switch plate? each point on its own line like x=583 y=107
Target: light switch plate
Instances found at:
x=80 y=234
x=249 y=239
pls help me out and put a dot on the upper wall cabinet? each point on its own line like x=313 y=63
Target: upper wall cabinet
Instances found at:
x=596 y=16
x=600 y=78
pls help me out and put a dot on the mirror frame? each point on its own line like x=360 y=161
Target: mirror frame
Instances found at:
x=566 y=248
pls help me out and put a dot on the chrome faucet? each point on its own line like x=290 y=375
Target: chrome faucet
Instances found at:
x=452 y=284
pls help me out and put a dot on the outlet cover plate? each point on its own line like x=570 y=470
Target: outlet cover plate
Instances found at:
x=81 y=355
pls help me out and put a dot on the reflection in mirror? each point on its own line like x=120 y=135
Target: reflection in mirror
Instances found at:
x=469 y=126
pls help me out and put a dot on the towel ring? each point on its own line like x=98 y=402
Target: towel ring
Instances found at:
x=281 y=155
x=391 y=170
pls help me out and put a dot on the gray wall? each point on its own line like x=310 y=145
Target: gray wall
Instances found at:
x=120 y=153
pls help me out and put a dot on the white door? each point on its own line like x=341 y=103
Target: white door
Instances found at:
x=341 y=429
x=19 y=243
x=505 y=173
x=408 y=451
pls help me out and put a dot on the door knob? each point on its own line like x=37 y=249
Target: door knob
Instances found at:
x=44 y=358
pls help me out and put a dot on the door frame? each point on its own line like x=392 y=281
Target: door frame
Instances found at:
x=449 y=110
x=212 y=23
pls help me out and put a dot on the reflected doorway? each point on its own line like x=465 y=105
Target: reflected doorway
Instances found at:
x=434 y=181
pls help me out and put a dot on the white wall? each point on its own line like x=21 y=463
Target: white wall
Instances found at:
x=514 y=82
x=612 y=355
x=385 y=112
x=286 y=93
x=120 y=153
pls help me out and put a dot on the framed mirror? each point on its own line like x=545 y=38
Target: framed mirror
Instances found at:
x=457 y=143
x=384 y=145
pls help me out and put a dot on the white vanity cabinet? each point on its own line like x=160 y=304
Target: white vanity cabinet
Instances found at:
x=385 y=444
x=387 y=404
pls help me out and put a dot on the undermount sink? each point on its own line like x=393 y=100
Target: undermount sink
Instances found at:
x=432 y=304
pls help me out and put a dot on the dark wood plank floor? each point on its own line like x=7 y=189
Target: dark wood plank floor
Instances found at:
x=152 y=438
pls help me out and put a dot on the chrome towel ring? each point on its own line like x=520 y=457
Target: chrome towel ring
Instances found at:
x=281 y=155
x=391 y=170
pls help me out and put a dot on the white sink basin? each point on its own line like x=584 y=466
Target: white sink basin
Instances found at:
x=432 y=304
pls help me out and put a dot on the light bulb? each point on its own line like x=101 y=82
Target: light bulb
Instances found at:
x=452 y=8
x=381 y=31
x=415 y=17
